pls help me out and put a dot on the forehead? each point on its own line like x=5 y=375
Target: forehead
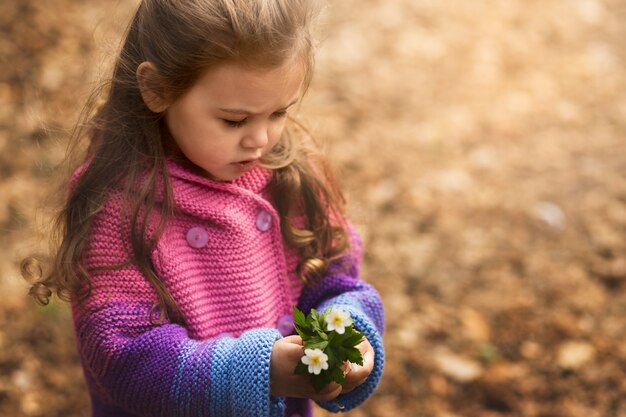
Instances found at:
x=234 y=85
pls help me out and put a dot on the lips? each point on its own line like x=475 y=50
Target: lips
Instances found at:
x=247 y=164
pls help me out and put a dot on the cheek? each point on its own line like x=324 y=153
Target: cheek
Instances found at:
x=277 y=130
x=182 y=125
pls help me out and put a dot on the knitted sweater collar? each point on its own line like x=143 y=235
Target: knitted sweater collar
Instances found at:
x=254 y=181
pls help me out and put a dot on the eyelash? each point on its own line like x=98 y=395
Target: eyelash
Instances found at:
x=240 y=123
x=235 y=123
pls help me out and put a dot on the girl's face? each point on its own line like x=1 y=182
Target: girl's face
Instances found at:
x=233 y=116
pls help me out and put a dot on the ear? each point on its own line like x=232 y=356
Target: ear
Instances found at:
x=148 y=81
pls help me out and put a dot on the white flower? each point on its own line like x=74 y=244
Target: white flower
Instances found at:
x=338 y=320
x=316 y=359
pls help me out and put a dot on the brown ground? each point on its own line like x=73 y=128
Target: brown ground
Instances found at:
x=483 y=148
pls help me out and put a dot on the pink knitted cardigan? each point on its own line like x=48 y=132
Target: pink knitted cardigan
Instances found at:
x=222 y=259
x=239 y=263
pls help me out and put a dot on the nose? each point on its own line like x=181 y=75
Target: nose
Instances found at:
x=256 y=138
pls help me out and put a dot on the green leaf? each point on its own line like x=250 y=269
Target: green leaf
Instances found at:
x=332 y=357
x=304 y=332
x=354 y=356
x=301 y=369
x=337 y=375
x=316 y=321
x=313 y=339
x=322 y=335
x=319 y=381
x=316 y=345
x=299 y=318
x=352 y=338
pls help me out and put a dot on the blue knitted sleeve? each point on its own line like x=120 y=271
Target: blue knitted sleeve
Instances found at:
x=240 y=376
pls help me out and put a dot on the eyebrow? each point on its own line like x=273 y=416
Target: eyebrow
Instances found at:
x=249 y=113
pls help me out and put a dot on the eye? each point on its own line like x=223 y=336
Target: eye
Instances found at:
x=235 y=123
x=279 y=114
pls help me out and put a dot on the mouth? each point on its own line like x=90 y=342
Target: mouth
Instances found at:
x=248 y=163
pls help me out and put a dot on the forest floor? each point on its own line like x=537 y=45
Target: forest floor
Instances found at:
x=482 y=146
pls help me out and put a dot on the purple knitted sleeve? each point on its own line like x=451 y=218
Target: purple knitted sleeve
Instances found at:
x=137 y=368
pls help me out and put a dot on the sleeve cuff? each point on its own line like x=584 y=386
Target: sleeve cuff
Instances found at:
x=241 y=374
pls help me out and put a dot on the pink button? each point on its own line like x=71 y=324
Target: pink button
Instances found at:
x=263 y=221
x=197 y=237
x=285 y=325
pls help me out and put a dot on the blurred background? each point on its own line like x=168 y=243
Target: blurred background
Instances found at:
x=482 y=146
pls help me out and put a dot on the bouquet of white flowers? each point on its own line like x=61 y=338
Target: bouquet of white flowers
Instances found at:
x=329 y=345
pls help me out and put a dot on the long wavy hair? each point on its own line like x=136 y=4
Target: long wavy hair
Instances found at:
x=126 y=143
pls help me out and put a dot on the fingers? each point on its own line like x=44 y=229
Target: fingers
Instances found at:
x=329 y=392
x=295 y=339
x=359 y=374
x=288 y=351
x=292 y=348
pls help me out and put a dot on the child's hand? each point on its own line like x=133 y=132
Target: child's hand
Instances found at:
x=286 y=353
x=355 y=374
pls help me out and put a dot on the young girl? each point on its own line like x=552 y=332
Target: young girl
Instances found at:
x=201 y=214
